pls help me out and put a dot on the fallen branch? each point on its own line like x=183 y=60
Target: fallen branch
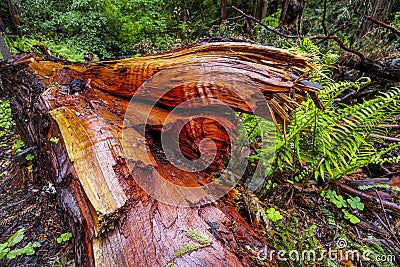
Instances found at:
x=386 y=138
x=388 y=69
x=383 y=24
x=315 y=37
x=391 y=126
x=395 y=208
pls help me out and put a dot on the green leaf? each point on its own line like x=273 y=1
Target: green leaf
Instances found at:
x=355 y=203
x=29 y=157
x=3 y=246
x=273 y=215
x=16 y=238
x=4 y=252
x=54 y=140
x=64 y=237
x=347 y=215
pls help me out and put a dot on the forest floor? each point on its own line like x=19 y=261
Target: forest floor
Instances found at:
x=310 y=222
x=31 y=206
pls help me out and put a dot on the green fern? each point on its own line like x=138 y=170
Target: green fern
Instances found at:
x=338 y=140
x=335 y=141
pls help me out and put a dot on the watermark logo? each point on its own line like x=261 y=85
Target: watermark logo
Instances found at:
x=156 y=106
x=339 y=252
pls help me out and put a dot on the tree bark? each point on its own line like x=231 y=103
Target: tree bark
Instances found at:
x=185 y=11
x=99 y=180
x=264 y=11
x=224 y=13
x=291 y=15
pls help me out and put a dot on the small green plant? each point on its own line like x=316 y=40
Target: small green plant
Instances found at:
x=6 y=249
x=354 y=202
x=352 y=218
x=294 y=234
x=54 y=140
x=29 y=157
x=396 y=20
x=18 y=146
x=334 y=198
x=6 y=123
x=202 y=239
x=273 y=215
x=271 y=185
x=64 y=237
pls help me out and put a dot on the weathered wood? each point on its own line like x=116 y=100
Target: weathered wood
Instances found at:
x=387 y=69
x=114 y=221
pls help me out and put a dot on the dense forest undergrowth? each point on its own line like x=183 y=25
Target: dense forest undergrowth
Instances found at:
x=333 y=185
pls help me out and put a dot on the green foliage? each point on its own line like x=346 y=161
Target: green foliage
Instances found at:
x=352 y=218
x=6 y=122
x=18 y=146
x=354 y=202
x=294 y=235
x=202 y=239
x=26 y=44
x=338 y=200
x=273 y=215
x=396 y=20
x=54 y=140
x=273 y=19
x=102 y=27
x=64 y=237
x=270 y=184
x=6 y=249
x=29 y=157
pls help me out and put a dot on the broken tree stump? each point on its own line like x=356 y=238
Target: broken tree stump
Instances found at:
x=111 y=149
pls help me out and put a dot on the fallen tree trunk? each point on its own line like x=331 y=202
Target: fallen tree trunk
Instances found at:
x=109 y=151
x=387 y=69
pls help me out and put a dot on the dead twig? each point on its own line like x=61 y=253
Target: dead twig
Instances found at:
x=315 y=37
x=343 y=26
x=386 y=138
x=388 y=228
x=383 y=24
x=391 y=126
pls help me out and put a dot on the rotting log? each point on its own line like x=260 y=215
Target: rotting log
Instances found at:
x=387 y=68
x=114 y=221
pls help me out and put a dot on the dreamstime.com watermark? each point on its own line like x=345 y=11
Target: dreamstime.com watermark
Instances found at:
x=339 y=253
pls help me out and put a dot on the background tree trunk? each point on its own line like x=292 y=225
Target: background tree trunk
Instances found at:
x=381 y=10
x=291 y=15
x=264 y=9
x=223 y=10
